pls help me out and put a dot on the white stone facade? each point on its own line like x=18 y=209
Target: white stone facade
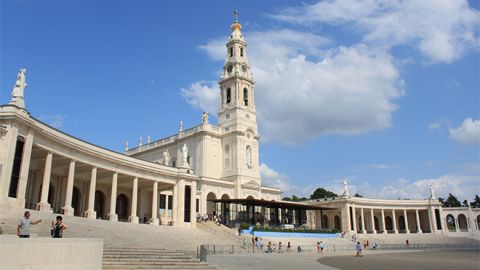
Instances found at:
x=43 y=168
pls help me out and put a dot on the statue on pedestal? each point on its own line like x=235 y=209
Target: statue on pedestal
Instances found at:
x=185 y=156
x=205 y=118
x=166 y=157
x=345 y=188
x=18 y=89
x=432 y=193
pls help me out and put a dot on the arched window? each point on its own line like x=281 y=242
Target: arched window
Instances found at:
x=337 y=223
x=229 y=95
x=388 y=223
x=245 y=96
x=462 y=223
x=451 y=223
x=227 y=156
x=324 y=222
x=231 y=51
x=241 y=52
x=478 y=222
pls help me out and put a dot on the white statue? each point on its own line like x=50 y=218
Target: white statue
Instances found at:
x=166 y=158
x=345 y=188
x=432 y=193
x=185 y=156
x=205 y=118
x=181 y=126
x=126 y=146
x=141 y=141
x=18 y=89
x=249 y=156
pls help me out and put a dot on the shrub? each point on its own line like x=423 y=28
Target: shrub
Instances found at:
x=244 y=226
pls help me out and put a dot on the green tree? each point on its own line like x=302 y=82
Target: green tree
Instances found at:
x=476 y=202
x=452 y=201
x=294 y=199
x=321 y=193
x=358 y=195
x=465 y=203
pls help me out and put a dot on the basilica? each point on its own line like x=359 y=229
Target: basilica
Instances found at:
x=206 y=169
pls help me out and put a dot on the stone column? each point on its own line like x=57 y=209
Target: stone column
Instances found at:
x=67 y=209
x=154 y=219
x=181 y=202
x=193 y=204
x=43 y=205
x=24 y=170
x=112 y=216
x=133 y=213
x=354 y=218
x=175 y=205
x=419 y=228
x=346 y=226
x=384 y=229
x=90 y=213
x=395 y=230
x=165 y=214
x=372 y=221
x=407 y=230
x=431 y=219
x=363 y=221
x=9 y=153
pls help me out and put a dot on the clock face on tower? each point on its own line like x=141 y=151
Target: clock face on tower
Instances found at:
x=244 y=68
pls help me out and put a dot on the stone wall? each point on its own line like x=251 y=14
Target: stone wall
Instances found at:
x=51 y=254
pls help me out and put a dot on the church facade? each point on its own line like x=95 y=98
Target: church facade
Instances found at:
x=200 y=170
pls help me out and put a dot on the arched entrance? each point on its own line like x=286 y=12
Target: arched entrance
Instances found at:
x=122 y=207
x=324 y=221
x=225 y=210
x=388 y=223
x=451 y=223
x=76 y=202
x=401 y=223
x=337 y=223
x=99 y=206
x=211 y=205
x=462 y=223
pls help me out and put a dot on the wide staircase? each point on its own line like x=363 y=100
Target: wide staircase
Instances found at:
x=150 y=258
x=133 y=246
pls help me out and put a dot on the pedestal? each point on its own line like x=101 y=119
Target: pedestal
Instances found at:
x=68 y=211
x=91 y=214
x=133 y=219
x=154 y=221
x=113 y=217
x=44 y=207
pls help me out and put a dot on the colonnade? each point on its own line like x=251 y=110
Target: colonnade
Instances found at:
x=178 y=192
x=389 y=218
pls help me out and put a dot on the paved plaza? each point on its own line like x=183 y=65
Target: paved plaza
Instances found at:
x=424 y=260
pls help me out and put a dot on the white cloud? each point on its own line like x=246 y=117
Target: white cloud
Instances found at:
x=272 y=178
x=304 y=91
x=56 y=120
x=203 y=95
x=468 y=132
x=435 y=125
x=442 y=30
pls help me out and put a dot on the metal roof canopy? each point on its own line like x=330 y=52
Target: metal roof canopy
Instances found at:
x=272 y=204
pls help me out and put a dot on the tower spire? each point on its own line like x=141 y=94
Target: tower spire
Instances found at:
x=235 y=13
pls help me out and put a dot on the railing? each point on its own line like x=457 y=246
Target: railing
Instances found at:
x=204 y=250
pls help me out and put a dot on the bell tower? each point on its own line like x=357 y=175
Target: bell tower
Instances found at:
x=237 y=117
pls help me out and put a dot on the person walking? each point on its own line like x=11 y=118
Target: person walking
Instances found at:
x=322 y=246
x=23 y=229
x=288 y=247
x=358 y=247
x=58 y=227
x=318 y=247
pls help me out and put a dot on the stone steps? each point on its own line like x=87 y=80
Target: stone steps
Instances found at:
x=149 y=258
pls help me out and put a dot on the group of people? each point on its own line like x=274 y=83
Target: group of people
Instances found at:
x=207 y=217
x=23 y=228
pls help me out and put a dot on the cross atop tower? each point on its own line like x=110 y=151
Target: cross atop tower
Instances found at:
x=235 y=13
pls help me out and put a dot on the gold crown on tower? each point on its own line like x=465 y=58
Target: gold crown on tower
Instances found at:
x=236 y=25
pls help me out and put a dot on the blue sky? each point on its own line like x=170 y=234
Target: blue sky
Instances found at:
x=382 y=92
